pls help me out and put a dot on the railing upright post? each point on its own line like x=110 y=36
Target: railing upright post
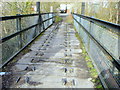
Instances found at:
x=51 y=10
x=52 y=18
x=48 y=20
x=80 y=23
x=39 y=18
x=83 y=8
x=18 y=28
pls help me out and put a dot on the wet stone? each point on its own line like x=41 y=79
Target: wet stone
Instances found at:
x=29 y=68
x=37 y=60
x=39 y=54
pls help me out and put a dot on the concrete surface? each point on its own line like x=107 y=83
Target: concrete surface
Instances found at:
x=55 y=61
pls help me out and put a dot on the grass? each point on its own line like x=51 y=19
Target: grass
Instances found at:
x=90 y=66
x=92 y=70
x=58 y=19
x=69 y=19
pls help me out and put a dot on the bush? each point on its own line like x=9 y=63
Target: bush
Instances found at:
x=58 y=19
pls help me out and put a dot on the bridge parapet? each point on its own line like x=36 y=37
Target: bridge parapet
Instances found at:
x=25 y=28
x=102 y=42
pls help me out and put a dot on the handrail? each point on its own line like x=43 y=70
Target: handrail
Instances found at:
x=19 y=32
x=115 y=61
x=20 y=16
x=106 y=24
x=21 y=49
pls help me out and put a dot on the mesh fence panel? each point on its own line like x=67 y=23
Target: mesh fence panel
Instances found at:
x=15 y=44
x=109 y=40
x=8 y=27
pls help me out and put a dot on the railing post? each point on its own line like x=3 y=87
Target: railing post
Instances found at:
x=80 y=23
x=51 y=10
x=52 y=18
x=39 y=18
x=83 y=8
x=18 y=28
x=48 y=21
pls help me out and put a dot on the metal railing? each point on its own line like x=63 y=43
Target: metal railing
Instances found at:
x=23 y=33
x=102 y=42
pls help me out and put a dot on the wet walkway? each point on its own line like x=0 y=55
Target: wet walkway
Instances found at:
x=55 y=61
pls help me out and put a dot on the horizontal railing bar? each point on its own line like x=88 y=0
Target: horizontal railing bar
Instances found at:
x=20 y=16
x=106 y=24
x=15 y=17
x=3 y=65
x=48 y=13
x=115 y=61
x=48 y=19
x=17 y=33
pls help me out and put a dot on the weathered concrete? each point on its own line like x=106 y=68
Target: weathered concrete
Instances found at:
x=55 y=61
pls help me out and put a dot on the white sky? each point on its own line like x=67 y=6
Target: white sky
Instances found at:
x=59 y=0
x=63 y=6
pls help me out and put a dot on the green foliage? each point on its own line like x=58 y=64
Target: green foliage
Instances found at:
x=108 y=11
x=69 y=19
x=45 y=6
x=13 y=8
x=58 y=19
x=90 y=65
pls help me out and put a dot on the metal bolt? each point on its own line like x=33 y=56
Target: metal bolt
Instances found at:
x=27 y=79
x=65 y=70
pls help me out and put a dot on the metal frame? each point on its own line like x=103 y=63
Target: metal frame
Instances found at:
x=20 y=16
x=115 y=62
x=106 y=24
x=116 y=27
x=22 y=48
x=21 y=31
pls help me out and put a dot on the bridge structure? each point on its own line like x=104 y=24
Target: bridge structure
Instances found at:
x=54 y=54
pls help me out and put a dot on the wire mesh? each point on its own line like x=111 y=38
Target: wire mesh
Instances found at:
x=10 y=47
x=104 y=64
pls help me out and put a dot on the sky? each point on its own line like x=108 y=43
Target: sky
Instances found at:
x=59 y=0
